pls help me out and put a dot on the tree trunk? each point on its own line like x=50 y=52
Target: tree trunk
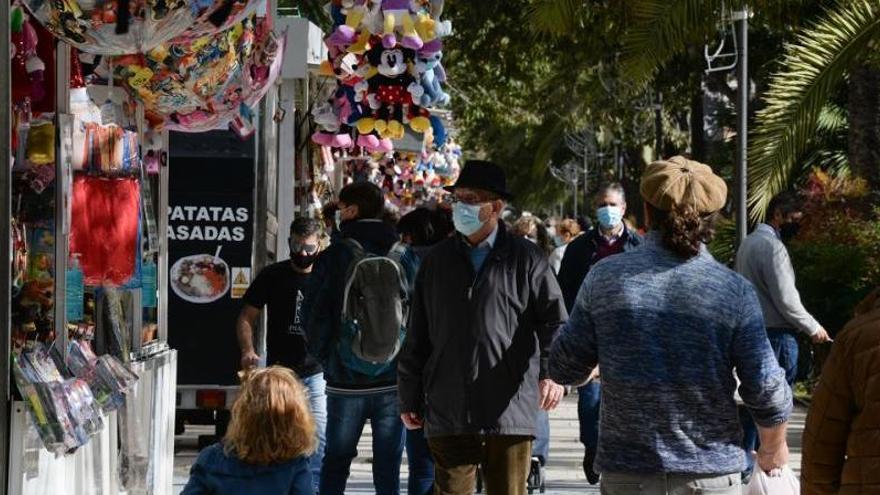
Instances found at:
x=864 y=124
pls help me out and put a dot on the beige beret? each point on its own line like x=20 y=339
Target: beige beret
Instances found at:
x=679 y=181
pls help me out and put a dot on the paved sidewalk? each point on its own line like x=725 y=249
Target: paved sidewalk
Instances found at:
x=564 y=472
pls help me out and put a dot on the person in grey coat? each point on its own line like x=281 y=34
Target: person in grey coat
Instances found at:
x=473 y=370
x=763 y=260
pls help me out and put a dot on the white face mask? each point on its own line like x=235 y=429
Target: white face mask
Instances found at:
x=338 y=219
x=467 y=218
x=609 y=216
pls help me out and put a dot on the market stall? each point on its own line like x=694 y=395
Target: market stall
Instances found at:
x=86 y=296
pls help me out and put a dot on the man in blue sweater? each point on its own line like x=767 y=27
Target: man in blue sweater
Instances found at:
x=669 y=325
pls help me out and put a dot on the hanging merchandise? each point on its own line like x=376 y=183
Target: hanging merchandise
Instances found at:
x=207 y=83
x=105 y=228
x=28 y=69
x=215 y=17
x=107 y=377
x=387 y=58
x=41 y=143
x=63 y=410
x=149 y=281
x=74 y=298
x=118 y=27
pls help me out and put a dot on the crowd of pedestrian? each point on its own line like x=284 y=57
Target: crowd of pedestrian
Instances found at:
x=453 y=332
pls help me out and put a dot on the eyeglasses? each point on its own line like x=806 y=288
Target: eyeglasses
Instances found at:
x=470 y=200
x=297 y=247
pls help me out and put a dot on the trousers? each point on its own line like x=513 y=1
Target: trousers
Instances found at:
x=505 y=462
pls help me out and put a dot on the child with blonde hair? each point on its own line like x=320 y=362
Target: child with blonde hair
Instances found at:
x=266 y=449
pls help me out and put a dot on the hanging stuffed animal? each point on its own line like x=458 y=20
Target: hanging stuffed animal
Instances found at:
x=430 y=67
x=27 y=68
x=331 y=132
x=391 y=93
x=431 y=29
x=399 y=14
x=347 y=33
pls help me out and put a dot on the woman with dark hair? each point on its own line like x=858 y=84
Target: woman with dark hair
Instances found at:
x=672 y=325
x=419 y=231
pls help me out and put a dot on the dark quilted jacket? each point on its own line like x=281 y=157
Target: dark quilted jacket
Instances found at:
x=842 y=438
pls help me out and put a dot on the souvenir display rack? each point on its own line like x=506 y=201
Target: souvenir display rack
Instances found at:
x=84 y=204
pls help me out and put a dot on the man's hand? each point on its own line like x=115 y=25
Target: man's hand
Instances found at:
x=412 y=421
x=821 y=337
x=551 y=394
x=249 y=359
x=771 y=459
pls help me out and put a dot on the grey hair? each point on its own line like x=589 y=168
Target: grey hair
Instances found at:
x=613 y=187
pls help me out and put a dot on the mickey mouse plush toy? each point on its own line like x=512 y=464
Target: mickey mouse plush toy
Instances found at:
x=391 y=90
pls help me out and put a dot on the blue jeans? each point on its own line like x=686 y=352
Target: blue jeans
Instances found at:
x=588 y=415
x=785 y=347
x=346 y=417
x=316 y=386
x=421 y=464
x=541 y=445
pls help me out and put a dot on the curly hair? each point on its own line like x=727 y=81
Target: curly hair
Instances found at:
x=683 y=229
x=271 y=419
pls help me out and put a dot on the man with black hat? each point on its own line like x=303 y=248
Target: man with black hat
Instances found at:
x=473 y=371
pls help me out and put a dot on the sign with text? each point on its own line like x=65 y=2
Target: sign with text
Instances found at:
x=210 y=239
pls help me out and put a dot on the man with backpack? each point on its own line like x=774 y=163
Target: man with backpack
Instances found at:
x=473 y=370
x=355 y=310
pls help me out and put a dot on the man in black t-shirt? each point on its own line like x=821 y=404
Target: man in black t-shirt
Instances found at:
x=280 y=288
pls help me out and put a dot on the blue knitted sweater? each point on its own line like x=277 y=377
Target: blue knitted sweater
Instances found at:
x=668 y=335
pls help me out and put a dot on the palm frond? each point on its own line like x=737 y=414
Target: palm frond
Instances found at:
x=554 y=17
x=813 y=65
x=828 y=151
x=661 y=29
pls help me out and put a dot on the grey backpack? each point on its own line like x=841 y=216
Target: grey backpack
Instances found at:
x=374 y=312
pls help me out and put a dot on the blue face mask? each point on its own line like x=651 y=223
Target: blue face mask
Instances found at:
x=467 y=218
x=609 y=216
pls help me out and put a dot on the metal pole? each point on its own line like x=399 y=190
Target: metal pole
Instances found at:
x=742 y=110
x=658 y=126
x=575 y=198
x=164 y=203
x=63 y=194
x=5 y=232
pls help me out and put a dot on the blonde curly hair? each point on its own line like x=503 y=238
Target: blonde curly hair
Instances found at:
x=271 y=419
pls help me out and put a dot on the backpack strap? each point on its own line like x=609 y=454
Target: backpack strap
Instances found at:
x=356 y=248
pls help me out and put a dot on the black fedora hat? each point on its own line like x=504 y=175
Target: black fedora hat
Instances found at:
x=482 y=175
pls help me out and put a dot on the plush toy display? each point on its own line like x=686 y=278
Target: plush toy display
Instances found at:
x=386 y=56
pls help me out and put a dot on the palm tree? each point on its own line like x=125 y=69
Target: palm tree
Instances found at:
x=839 y=44
x=796 y=120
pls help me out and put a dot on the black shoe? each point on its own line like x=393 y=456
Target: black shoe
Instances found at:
x=592 y=476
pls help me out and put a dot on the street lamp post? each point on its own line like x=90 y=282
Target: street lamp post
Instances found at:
x=742 y=121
